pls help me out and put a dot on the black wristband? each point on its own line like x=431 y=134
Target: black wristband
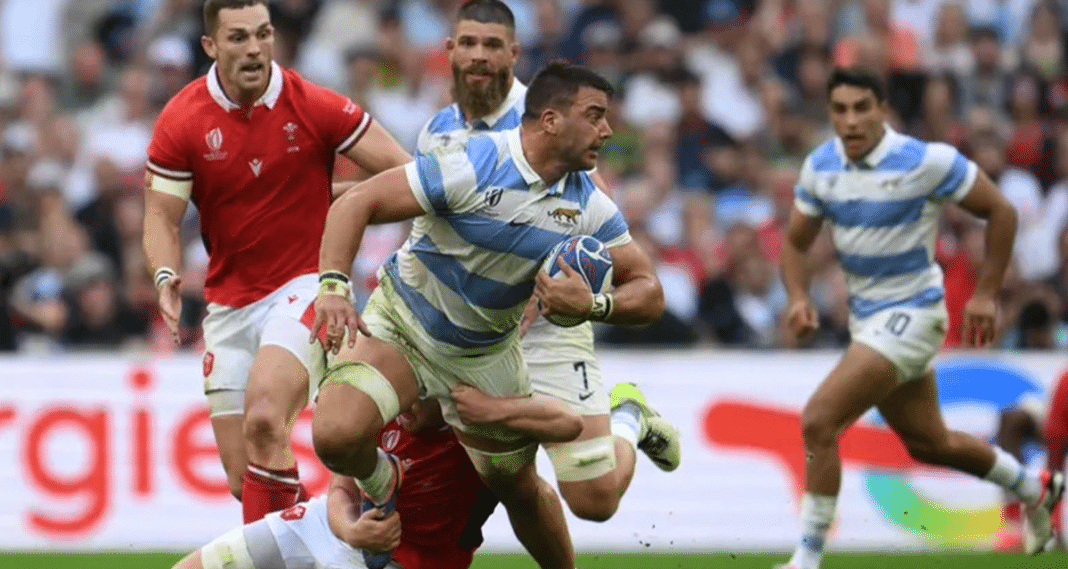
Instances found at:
x=336 y=275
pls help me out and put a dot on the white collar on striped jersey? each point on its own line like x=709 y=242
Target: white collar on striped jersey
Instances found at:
x=269 y=98
x=515 y=147
x=876 y=155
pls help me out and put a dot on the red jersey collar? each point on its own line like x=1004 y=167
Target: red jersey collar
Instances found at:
x=269 y=98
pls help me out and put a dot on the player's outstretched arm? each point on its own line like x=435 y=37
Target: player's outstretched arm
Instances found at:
x=801 y=232
x=384 y=198
x=543 y=419
x=984 y=200
x=163 y=247
x=370 y=531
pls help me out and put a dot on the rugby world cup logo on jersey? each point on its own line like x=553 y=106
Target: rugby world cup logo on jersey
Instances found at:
x=290 y=129
x=214 y=140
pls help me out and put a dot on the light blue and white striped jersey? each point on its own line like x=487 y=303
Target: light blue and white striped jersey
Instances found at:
x=883 y=212
x=448 y=125
x=468 y=266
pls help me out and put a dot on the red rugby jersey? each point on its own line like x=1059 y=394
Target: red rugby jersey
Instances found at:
x=261 y=181
x=1057 y=424
x=437 y=497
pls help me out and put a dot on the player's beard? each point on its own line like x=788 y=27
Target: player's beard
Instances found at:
x=480 y=101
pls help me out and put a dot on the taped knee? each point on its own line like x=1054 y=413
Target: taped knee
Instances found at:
x=365 y=378
x=506 y=463
x=583 y=460
x=226 y=402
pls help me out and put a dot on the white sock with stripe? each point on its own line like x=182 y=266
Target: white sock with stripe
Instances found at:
x=817 y=513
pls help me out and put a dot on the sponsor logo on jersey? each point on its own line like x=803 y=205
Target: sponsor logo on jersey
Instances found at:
x=214 y=140
x=256 y=166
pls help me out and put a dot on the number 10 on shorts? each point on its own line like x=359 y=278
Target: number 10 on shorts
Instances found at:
x=897 y=322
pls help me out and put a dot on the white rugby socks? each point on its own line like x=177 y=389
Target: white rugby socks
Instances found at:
x=379 y=484
x=1008 y=473
x=627 y=423
x=817 y=513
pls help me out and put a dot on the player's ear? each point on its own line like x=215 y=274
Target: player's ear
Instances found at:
x=450 y=44
x=550 y=120
x=208 y=43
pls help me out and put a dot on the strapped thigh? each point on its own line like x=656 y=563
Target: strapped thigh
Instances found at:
x=576 y=461
x=366 y=378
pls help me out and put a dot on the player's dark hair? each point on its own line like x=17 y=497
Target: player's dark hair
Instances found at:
x=487 y=12
x=857 y=76
x=555 y=87
x=212 y=7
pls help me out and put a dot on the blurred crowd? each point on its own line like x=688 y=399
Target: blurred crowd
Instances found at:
x=718 y=103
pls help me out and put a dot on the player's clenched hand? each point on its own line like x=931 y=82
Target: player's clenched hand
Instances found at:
x=170 y=304
x=530 y=314
x=568 y=296
x=802 y=318
x=373 y=532
x=475 y=407
x=980 y=321
x=337 y=314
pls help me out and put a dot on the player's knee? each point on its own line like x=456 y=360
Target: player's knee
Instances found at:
x=818 y=428
x=594 y=504
x=337 y=439
x=265 y=427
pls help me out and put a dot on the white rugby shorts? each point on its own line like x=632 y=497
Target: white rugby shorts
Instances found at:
x=232 y=336
x=563 y=365
x=909 y=337
x=499 y=373
x=296 y=538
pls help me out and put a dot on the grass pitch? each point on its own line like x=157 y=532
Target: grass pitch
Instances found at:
x=1058 y=560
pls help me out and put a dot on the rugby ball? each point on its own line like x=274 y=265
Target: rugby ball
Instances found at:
x=590 y=258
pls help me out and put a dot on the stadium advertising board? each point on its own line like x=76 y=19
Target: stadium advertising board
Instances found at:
x=102 y=453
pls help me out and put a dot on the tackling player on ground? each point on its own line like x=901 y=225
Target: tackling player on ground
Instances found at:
x=252 y=146
x=882 y=193
x=448 y=304
x=442 y=506
x=595 y=470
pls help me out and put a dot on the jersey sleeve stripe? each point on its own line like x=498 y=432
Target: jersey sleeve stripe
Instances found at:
x=611 y=229
x=807 y=203
x=357 y=133
x=432 y=181
x=178 y=175
x=411 y=171
x=954 y=178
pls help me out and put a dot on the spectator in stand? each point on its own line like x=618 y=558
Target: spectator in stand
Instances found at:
x=950 y=52
x=1029 y=147
x=97 y=314
x=1023 y=191
x=939 y=114
x=986 y=84
x=1042 y=50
